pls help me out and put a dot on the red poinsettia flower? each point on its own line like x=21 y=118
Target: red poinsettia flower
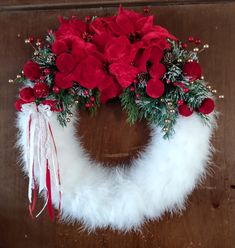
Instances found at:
x=72 y=27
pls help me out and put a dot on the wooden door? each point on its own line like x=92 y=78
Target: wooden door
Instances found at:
x=209 y=220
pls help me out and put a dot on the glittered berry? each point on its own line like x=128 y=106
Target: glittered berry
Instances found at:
x=87 y=18
x=180 y=102
x=198 y=41
x=190 y=39
x=85 y=92
x=92 y=98
x=184 y=45
x=56 y=89
x=47 y=71
x=132 y=88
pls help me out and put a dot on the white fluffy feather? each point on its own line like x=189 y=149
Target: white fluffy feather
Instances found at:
x=158 y=181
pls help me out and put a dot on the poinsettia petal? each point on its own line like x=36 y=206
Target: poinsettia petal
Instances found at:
x=117 y=48
x=144 y=24
x=155 y=88
x=89 y=73
x=156 y=55
x=125 y=74
x=110 y=90
x=142 y=56
x=63 y=81
x=157 y=70
x=124 y=22
x=65 y=62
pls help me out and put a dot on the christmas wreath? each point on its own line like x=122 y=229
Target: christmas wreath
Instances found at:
x=156 y=77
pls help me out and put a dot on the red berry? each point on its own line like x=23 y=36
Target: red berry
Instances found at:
x=41 y=90
x=198 y=41
x=190 y=39
x=135 y=81
x=31 y=39
x=42 y=78
x=132 y=88
x=87 y=105
x=185 y=90
x=146 y=10
x=92 y=98
x=56 y=89
x=184 y=45
x=180 y=102
x=87 y=18
x=85 y=92
x=92 y=105
x=168 y=81
x=47 y=71
x=137 y=96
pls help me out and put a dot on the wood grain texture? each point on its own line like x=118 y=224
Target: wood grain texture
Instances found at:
x=208 y=221
x=69 y=4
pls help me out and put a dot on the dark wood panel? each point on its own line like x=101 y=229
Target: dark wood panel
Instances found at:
x=69 y=4
x=208 y=221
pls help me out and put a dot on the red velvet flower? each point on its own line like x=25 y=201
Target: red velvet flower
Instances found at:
x=32 y=70
x=59 y=46
x=27 y=94
x=40 y=90
x=63 y=81
x=155 y=88
x=18 y=104
x=184 y=110
x=65 y=62
x=207 y=106
x=192 y=70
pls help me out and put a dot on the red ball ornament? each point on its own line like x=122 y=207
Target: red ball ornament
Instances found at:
x=184 y=110
x=40 y=90
x=56 y=89
x=192 y=70
x=207 y=106
x=155 y=88
x=32 y=70
x=18 y=104
x=27 y=94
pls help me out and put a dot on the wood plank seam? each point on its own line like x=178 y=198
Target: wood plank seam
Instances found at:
x=105 y=4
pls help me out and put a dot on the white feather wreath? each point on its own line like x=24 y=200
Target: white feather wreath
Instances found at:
x=120 y=198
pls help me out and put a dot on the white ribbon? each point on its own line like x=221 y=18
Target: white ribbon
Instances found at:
x=40 y=148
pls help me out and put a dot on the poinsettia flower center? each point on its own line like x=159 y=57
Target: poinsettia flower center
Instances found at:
x=134 y=36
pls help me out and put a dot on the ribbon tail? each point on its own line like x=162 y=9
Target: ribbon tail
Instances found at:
x=48 y=184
